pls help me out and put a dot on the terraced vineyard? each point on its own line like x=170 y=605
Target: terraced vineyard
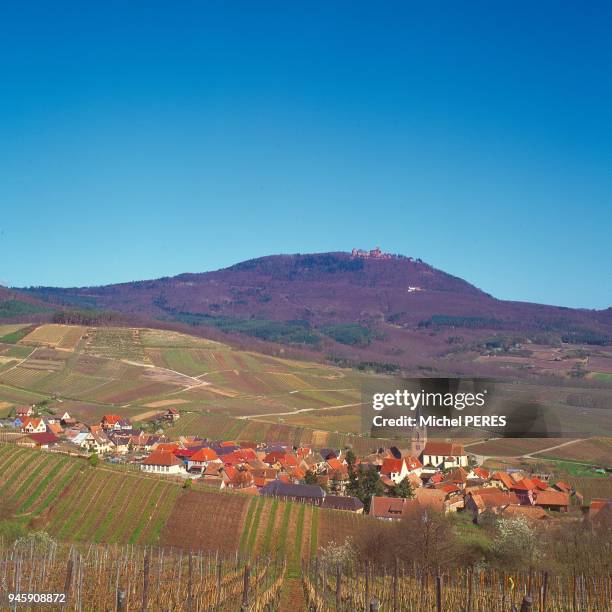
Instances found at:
x=75 y=502
x=78 y=503
x=221 y=392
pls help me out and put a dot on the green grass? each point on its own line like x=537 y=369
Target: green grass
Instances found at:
x=282 y=535
x=244 y=537
x=255 y=525
x=314 y=532
x=293 y=571
x=575 y=469
x=13 y=477
x=139 y=506
x=270 y=527
x=43 y=484
x=55 y=492
x=602 y=376
x=169 y=500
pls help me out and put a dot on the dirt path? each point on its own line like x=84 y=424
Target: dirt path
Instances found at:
x=545 y=450
x=292 y=596
x=480 y=459
x=20 y=362
x=269 y=414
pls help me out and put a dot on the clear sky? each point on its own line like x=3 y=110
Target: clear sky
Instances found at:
x=145 y=139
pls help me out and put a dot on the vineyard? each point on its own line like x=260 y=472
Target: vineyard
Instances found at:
x=228 y=428
x=75 y=502
x=347 y=587
x=221 y=392
x=129 y=578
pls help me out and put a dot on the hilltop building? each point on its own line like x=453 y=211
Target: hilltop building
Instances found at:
x=372 y=254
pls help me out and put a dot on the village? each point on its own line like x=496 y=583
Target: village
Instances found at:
x=386 y=484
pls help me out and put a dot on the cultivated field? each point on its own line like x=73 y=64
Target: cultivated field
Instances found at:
x=78 y=503
x=75 y=502
x=513 y=447
x=597 y=451
x=222 y=392
x=130 y=371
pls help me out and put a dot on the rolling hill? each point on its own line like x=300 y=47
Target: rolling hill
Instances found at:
x=392 y=312
x=221 y=392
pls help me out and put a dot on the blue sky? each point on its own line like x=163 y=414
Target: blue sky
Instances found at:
x=157 y=138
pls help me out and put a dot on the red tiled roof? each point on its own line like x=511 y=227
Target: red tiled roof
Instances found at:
x=492 y=498
x=600 y=507
x=288 y=461
x=390 y=466
x=34 y=421
x=504 y=479
x=532 y=512
x=230 y=471
x=481 y=473
x=551 y=498
x=166 y=446
x=412 y=462
x=335 y=464
x=44 y=438
x=273 y=457
x=298 y=473
x=456 y=475
x=443 y=449
x=163 y=458
x=523 y=485
x=387 y=507
x=430 y=498
x=539 y=484
x=111 y=419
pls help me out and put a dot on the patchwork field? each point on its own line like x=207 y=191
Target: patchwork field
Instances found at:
x=60 y=336
x=224 y=427
x=225 y=393
x=130 y=371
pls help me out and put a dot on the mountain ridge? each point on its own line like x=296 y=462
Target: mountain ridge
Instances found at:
x=388 y=308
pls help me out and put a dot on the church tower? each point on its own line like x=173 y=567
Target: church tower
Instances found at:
x=418 y=442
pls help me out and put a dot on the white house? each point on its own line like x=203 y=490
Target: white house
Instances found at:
x=444 y=455
x=162 y=462
x=33 y=425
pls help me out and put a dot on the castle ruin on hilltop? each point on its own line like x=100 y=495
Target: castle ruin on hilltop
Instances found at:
x=372 y=254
